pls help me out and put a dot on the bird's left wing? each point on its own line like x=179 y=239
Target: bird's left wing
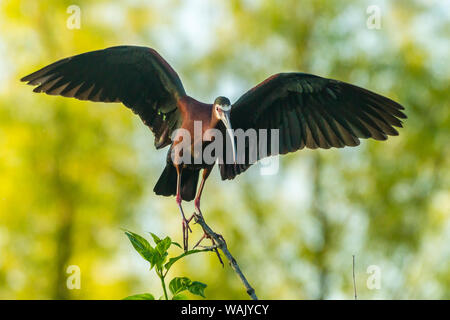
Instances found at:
x=136 y=76
x=313 y=112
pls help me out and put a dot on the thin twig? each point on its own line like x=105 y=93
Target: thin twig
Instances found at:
x=354 y=281
x=222 y=245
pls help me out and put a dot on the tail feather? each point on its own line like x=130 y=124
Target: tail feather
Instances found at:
x=189 y=181
x=167 y=183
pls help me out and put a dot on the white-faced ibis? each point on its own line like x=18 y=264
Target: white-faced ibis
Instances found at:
x=309 y=111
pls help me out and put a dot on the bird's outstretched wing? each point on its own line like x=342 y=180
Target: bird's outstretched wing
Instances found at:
x=313 y=112
x=136 y=76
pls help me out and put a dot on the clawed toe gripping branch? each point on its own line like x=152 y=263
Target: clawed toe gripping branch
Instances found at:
x=157 y=256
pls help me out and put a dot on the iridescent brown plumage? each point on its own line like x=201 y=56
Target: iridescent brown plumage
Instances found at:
x=309 y=111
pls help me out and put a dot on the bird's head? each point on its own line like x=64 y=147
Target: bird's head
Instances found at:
x=221 y=104
x=221 y=111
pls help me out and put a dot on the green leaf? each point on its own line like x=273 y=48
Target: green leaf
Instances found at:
x=163 y=245
x=179 y=296
x=179 y=284
x=161 y=252
x=159 y=259
x=142 y=296
x=155 y=238
x=175 y=259
x=197 y=288
x=142 y=246
x=177 y=244
x=158 y=240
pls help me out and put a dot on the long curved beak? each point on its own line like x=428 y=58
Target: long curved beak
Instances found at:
x=226 y=121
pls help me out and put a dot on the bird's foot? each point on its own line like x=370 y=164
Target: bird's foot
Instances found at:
x=185 y=224
x=204 y=236
x=198 y=212
x=186 y=230
x=214 y=247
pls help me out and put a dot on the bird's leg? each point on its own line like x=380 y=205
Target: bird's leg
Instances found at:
x=205 y=175
x=185 y=223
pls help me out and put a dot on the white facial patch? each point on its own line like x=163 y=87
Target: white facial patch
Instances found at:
x=225 y=107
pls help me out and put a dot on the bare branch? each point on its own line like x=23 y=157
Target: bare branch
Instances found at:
x=222 y=245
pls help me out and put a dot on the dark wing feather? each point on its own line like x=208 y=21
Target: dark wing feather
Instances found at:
x=136 y=76
x=314 y=112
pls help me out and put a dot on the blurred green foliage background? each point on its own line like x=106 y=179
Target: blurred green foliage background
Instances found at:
x=73 y=173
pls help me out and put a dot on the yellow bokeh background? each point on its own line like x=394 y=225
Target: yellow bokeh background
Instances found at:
x=73 y=173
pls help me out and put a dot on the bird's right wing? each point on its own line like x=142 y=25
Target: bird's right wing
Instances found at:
x=136 y=76
x=313 y=112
